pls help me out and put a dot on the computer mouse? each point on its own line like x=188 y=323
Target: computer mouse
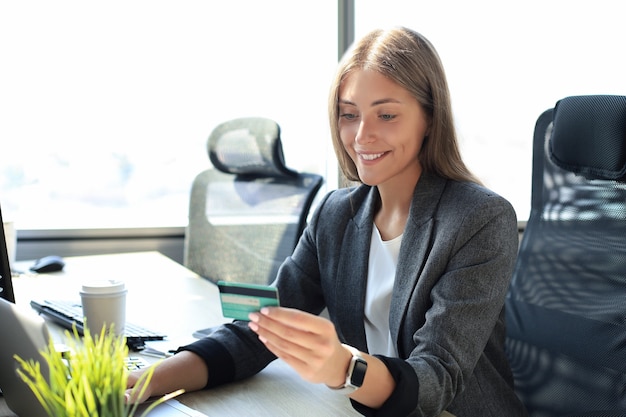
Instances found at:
x=52 y=263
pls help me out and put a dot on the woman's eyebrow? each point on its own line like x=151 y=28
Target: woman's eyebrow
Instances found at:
x=385 y=101
x=374 y=103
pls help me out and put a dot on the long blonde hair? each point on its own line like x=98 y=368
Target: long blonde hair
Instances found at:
x=410 y=60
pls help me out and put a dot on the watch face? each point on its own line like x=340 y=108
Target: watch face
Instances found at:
x=358 y=373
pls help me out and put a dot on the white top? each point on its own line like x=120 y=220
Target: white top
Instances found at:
x=380 y=278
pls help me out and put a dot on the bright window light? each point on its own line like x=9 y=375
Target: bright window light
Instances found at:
x=106 y=106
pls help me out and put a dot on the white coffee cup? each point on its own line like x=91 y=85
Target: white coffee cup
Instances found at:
x=104 y=304
x=10 y=236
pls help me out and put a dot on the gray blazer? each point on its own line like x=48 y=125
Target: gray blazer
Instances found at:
x=457 y=255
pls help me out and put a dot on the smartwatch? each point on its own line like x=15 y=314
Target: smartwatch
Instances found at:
x=355 y=375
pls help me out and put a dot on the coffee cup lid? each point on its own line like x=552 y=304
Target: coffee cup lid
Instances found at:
x=103 y=286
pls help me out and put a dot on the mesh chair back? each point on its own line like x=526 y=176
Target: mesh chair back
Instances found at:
x=566 y=309
x=247 y=213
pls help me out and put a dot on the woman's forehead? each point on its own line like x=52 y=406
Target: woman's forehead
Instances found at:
x=367 y=85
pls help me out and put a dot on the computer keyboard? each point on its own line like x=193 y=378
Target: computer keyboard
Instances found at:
x=67 y=313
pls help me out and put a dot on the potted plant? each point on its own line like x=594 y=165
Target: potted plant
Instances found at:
x=90 y=381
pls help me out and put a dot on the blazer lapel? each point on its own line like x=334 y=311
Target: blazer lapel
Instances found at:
x=414 y=249
x=351 y=279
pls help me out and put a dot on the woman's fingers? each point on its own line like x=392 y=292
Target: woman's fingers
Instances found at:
x=308 y=343
x=293 y=330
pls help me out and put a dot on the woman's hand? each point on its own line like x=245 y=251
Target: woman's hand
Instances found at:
x=185 y=370
x=308 y=343
x=133 y=390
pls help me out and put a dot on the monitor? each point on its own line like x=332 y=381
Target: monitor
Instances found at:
x=6 y=286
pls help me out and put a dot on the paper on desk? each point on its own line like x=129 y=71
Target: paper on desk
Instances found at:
x=164 y=348
x=171 y=408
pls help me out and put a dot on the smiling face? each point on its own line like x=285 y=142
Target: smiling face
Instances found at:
x=382 y=127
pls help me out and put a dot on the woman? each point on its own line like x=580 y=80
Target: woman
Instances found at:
x=413 y=265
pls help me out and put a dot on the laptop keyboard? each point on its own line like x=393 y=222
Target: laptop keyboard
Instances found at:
x=66 y=313
x=134 y=363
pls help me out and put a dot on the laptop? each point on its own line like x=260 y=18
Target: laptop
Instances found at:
x=29 y=335
x=6 y=286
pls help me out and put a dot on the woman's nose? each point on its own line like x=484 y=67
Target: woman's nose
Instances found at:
x=365 y=133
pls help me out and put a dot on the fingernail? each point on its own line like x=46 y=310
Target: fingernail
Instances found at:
x=253 y=317
x=253 y=326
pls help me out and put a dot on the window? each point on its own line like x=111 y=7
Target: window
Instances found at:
x=506 y=63
x=106 y=106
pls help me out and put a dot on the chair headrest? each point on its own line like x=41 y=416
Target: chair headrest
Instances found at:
x=589 y=136
x=248 y=146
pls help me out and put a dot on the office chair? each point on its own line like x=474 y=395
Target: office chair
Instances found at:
x=566 y=308
x=247 y=213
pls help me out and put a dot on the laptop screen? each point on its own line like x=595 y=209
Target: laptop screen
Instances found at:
x=6 y=287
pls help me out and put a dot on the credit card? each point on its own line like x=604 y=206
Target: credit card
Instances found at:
x=239 y=299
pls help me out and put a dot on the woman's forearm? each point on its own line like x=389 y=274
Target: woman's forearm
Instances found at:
x=184 y=370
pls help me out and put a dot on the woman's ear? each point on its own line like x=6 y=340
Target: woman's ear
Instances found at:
x=427 y=133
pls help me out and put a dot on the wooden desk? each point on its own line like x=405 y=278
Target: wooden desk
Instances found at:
x=166 y=296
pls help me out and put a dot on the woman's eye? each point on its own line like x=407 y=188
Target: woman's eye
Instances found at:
x=387 y=116
x=348 y=116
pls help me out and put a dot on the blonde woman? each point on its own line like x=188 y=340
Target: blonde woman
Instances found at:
x=413 y=264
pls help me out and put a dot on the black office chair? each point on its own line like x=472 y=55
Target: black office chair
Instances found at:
x=566 y=309
x=247 y=213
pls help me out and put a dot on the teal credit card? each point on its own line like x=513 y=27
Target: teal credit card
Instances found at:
x=239 y=299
